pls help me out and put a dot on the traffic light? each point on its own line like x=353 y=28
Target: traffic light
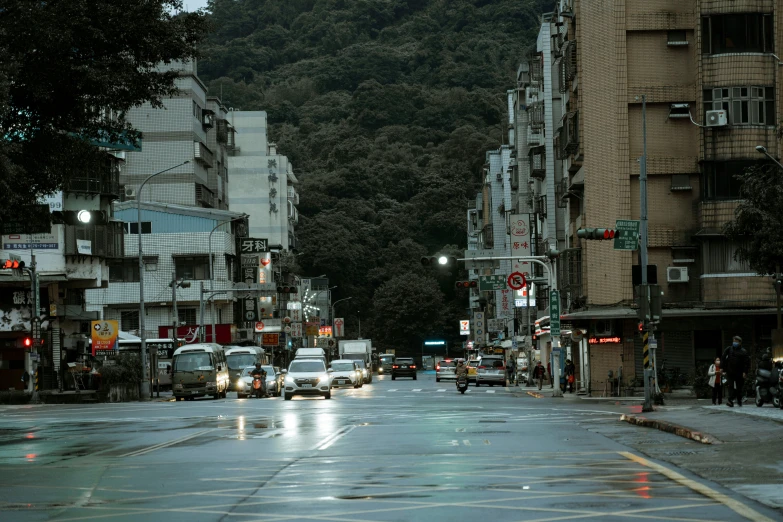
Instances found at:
x=778 y=283
x=467 y=284
x=13 y=264
x=287 y=290
x=599 y=234
x=439 y=261
x=26 y=342
x=640 y=327
x=80 y=217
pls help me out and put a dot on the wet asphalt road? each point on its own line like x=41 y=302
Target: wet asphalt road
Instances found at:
x=393 y=450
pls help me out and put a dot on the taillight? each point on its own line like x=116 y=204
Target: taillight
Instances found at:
x=482 y=367
x=437 y=368
x=413 y=366
x=501 y=367
x=395 y=366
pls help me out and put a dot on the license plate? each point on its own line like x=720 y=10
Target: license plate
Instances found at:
x=307 y=386
x=341 y=382
x=403 y=367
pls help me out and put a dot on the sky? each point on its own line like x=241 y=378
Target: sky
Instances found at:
x=193 y=5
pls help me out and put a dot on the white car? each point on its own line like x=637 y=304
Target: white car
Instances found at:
x=244 y=385
x=346 y=373
x=307 y=377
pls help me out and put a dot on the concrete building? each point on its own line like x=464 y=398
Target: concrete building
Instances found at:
x=685 y=59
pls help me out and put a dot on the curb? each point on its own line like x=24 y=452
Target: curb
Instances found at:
x=670 y=428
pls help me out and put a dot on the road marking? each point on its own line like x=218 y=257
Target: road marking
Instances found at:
x=735 y=505
x=393 y=389
x=460 y=430
x=273 y=433
x=466 y=442
x=334 y=437
x=166 y=444
x=490 y=391
x=417 y=389
x=441 y=390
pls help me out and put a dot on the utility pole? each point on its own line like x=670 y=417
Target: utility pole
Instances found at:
x=644 y=290
x=174 y=311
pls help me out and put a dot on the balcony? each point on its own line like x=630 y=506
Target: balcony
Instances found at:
x=203 y=155
x=106 y=240
x=536 y=114
x=487 y=236
x=569 y=134
x=293 y=195
x=204 y=196
x=106 y=182
x=537 y=163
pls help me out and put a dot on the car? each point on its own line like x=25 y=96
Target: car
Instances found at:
x=307 y=377
x=403 y=367
x=346 y=373
x=280 y=377
x=244 y=385
x=472 y=369
x=491 y=370
x=385 y=362
x=366 y=374
x=446 y=369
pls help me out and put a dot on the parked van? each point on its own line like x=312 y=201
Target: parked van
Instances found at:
x=240 y=357
x=198 y=370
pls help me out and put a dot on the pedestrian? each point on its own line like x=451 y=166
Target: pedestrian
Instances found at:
x=549 y=372
x=570 y=374
x=510 y=371
x=716 y=375
x=538 y=374
x=736 y=361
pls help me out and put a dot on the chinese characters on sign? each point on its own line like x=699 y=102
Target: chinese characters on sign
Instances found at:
x=270 y=339
x=520 y=243
x=325 y=331
x=104 y=336
x=250 y=245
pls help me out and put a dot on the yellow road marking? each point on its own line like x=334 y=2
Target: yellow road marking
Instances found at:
x=735 y=505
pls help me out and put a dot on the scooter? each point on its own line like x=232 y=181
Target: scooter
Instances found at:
x=767 y=387
x=462 y=383
x=258 y=387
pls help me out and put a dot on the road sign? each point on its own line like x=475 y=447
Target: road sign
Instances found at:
x=517 y=281
x=554 y=312
x=296 y=330
x=464 y=327
x=270 y=339
x=496 y=325
x=339 y=322
x=259 y=327
x=627 y=237
x=476 y=265
x=492 y=282
x=104 y=336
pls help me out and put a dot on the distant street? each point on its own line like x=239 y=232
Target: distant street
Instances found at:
x=393 y=450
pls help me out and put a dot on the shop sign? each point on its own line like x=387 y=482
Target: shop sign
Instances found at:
x=604 y=340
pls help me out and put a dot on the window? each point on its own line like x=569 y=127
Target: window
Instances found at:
x=718 y=181
x=745 y=105
x=676 y=37
x=133 y=227
x=737 y=33
x=192 y=267
x=719 y=258
x=124 y=270
x=129 y=320
x=681 y=182
x=187 y=315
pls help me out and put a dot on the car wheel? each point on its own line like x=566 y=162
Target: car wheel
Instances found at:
x=759 y=400
x=437 y=379
x=394 y=377
x=240 y=396
x=776 y=402
x=415 y=377
x=328 y=395
x=288 y=396
x=477 y=383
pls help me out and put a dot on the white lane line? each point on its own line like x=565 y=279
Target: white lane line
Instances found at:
x=441 y=390
x=490 y=391
x=273 y=433
x=466 y=442
x=166 y=444
x=417 y=389
x=337 y=437
x=393 y=389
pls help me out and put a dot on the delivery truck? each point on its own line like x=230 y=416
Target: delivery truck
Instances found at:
x=358 y=350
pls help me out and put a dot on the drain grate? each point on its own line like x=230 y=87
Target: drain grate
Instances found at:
x=683 y=452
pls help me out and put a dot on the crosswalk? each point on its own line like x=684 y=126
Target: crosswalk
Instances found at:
x=442 y=390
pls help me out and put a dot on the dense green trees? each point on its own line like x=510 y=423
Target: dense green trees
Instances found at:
x=385 y=108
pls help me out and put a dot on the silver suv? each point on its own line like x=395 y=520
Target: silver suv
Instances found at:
x=307 y=377
x=491 y=370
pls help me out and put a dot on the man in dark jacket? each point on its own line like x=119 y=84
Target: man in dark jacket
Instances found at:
x=737 y=362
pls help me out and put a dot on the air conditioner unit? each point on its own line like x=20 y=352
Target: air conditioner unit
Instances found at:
x=130 y=192
x=717 y=119
x=677 y=274
x=602 y=327
x=499 y=176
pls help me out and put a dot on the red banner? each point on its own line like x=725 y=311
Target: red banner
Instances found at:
x=189 y=333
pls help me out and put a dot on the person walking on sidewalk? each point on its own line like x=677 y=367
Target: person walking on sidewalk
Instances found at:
x=737 y=363
x=538 y=374
x=510 y=370
x=570 y=375
x=549 y=372
x=715 y=374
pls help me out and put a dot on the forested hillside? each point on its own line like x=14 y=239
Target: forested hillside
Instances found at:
x=385 y=108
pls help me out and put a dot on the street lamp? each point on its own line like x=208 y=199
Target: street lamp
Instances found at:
x=763 y=150
x=146 y=389
x=339 y=301
x=211 y=275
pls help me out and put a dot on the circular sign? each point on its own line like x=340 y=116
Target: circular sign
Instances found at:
x=516 y=281
x=250 y=315
x=287 y=329
x=287 y=320
x=259 y=326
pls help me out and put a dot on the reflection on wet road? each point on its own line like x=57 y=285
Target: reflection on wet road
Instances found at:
x=388 y=451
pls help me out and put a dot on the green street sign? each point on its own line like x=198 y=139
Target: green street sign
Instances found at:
x=554 y=312
x=627 y=237
x=492 y=282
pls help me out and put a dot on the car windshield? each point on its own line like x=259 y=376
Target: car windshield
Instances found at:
x=404 y=361
x=494 y=363
x=387 y=358
x=448 y=364
x=240 y=360
x=248 y=371
x=306 y=366
x=342 y=366
x=188 y=362
x=270 y=370
x=360 y=363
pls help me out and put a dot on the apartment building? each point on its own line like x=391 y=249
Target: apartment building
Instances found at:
x=687 y=61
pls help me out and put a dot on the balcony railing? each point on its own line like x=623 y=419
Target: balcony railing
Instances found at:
x=487 y=236
x=537 y=163
x=203 y=155
x=106 y=240
x=205 y=196
x=570 y=134
x=105 y=182
x=536 y=113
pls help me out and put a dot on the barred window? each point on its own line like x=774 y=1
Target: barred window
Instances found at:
x=192 y=267
x=745 y=105
x=737 y=33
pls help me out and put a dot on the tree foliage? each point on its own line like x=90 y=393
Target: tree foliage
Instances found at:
x=69 y=70
x=386 y=109
x=758 y=219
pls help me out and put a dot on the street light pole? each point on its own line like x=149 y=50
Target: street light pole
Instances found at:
x=145 y=389
x=212 y=275
x=339 y=301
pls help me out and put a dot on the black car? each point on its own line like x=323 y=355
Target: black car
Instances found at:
x=403 y=367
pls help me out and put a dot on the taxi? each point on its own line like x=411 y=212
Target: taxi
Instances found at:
x=472 y=369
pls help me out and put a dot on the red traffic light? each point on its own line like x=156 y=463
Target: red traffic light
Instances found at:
x=27 y=342
x=12 y=264
x=286 y=290
x=641 y=327
x=609 y=233
x=467 y=284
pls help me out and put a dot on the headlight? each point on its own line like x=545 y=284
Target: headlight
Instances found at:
x=289 y=379
x=241 y=384
x=364 y=372
x=324 y=378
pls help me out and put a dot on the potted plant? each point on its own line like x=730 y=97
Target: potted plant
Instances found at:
x=120 y=378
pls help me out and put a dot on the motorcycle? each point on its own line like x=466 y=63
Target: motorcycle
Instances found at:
x=767 y=387
x=258 y=387
x=462 y=383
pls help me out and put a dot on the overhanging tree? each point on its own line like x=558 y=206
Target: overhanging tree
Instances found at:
x=69 y=71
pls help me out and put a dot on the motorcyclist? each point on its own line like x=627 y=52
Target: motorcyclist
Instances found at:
x=461 y=370
x=259 y=372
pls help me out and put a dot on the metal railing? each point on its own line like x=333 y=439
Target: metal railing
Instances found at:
x=106 y=240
